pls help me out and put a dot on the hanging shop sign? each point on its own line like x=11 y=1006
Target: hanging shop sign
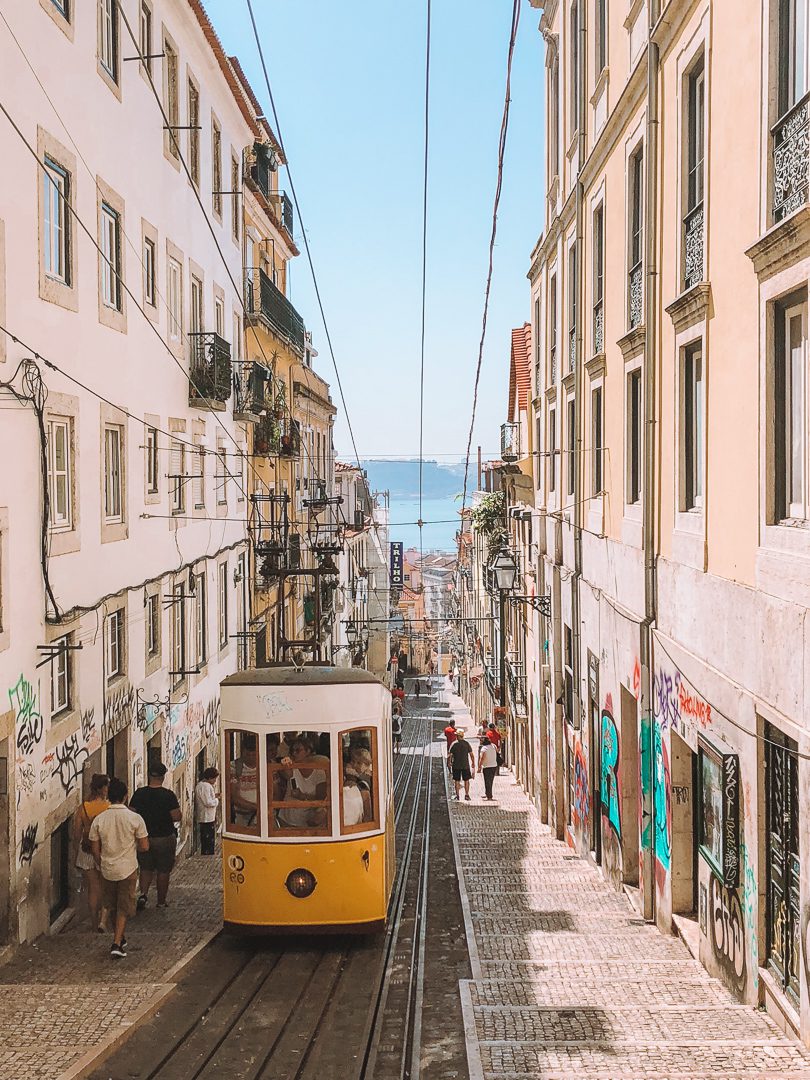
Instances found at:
x=719 y=810
x=396 y=564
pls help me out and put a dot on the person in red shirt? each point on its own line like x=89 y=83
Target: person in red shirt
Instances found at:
x=494 y=737
x=450 y=734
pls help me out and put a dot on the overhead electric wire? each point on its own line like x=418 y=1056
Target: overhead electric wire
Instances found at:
x=493 y=233
x=424 y=270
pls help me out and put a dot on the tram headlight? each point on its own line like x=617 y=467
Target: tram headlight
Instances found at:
x=301 y=883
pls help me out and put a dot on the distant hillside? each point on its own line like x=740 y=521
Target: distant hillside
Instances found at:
x=401 y=478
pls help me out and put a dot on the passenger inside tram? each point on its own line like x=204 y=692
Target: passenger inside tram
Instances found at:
x=300 y=785
x=358 y=777
x=244 y=772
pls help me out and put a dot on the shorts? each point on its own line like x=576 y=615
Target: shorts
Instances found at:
x=397 y=736
x=84 y=860
x=159 y=859
x=119 y=896
x=461 y=774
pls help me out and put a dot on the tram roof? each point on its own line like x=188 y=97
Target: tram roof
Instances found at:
x=311 y=675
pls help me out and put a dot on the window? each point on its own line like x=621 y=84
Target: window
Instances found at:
x=149 y=290
x=199 y=480
x=194 y=133
x=597 y=437
x=792 y=53
x=56 y=199
x=572 y=443
x=790 y=407
x=216 y=167
x=299 y=802
x=554 y=121
x=235 y=209
x=201 y=610
x=359 y=801
x=243 y=782
x=552 y=328
x=572 y=306
x=177 y=476
x=61 y=675
x=633 y=485
x=175 y=298
x=114 y=644
x=63 y=7
x=153 y=625
x=599 y=280
x=171 y=97
x=113 y=463
x=552 y=450
x=574 y=69
x=222 y=478
x=568 y=673
x=538 y=429
x=219 y=321
x=110 y=257
x=108 y=37
x=538 y=368
x=636 y=238
x=222 y=590
x=152 y=460
x=178 y=609
x=60 y=474
x=693 y=426
x=601 y=36
x=196 y=300
x=145 y=36
x=695 y=137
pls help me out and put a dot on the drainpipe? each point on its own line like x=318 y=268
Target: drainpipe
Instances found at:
x=650 y=435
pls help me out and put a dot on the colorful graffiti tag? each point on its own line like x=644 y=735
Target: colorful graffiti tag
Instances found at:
x=663 y=807
x=582 y=797
x=609 y=787
x=727 y=932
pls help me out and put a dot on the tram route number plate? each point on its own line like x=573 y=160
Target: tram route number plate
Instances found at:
x=236 y=865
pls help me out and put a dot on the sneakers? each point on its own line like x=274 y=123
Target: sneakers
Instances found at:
x=143 y=900
x=118 y=952
x=468 y=798
x=163 y=903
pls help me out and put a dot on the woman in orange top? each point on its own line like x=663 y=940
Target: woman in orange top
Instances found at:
x=82 y=820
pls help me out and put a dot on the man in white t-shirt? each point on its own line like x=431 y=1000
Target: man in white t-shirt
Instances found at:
x=116 y=837
x=488 y=765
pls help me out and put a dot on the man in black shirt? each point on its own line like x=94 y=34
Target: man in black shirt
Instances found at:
x=461 y=762
x=159 y=808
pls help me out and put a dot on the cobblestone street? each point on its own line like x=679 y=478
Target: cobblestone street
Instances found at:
x=63 y=998
x=569 y=983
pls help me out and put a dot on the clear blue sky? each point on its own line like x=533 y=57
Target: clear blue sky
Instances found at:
x=348 y=80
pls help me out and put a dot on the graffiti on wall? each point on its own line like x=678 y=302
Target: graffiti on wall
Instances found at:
x=28 y=844
x=119 y=709
x=581 y=812
x=609 y=787
x=24 y=701
x=70 y=757
x=677 y=706
x=727 y=933
x=663 y=807
x=749 y=905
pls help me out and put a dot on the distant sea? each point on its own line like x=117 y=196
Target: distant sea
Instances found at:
x=440 y=536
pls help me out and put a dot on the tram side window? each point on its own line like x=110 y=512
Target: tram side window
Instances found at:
x=359 y=798
x=243 y=783
x=298 y=772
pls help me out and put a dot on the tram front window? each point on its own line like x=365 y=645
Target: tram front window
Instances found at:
x=298 y=770
x=358 y=808
x=242 y=781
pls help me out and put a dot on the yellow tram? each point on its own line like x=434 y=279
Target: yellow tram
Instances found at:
x=308 y=833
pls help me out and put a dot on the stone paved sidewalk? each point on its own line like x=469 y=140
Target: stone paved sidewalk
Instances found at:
x=63 y=999
x=568 y=983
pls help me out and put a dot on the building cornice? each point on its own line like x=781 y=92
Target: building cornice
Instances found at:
x=632 y=344
x=690 y=307
x=782 y=246
x=597 y=365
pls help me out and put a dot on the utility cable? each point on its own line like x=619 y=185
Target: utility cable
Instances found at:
x=493 y=233
x=424 y=273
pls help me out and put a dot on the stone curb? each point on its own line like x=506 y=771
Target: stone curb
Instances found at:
x=475 y=1066
x=93 y=1057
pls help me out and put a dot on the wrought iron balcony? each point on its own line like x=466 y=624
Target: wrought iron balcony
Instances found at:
x=260 y=162
x=249 y=389
x=636 y=295
x=510 y=442
x=265 y=300
x=598 y=328
x=290 y=439
x=267 y=436
x=791 y=159
x=209 y=371
x=572 y=348
x=287 y=212
x=693 y=247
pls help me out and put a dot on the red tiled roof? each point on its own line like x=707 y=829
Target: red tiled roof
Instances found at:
x=259 y=111
x=520 y=370
x=228 y=71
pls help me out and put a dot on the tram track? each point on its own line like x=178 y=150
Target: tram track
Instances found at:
x=291 y=1010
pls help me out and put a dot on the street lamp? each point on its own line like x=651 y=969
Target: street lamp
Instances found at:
x=504 y=570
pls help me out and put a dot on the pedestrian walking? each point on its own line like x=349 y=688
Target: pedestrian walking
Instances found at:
x=488 y=766
x=82 y=820
x=396 y=725
x=117 y=837
x=206 y=802
x=461 y=762
x=494 y=737
x=450 y=734
x=159 y=808
x=418 y=688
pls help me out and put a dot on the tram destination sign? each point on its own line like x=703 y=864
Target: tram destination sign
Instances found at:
x=396 y=564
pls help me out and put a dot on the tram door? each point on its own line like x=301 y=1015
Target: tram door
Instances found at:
x=782 y=907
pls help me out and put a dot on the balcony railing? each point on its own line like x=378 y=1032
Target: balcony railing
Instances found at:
x=264 y=299
x=572 y=348
x=260 y=162
x=250 y=381
x=693 y=247
x=510 y=442
x=598 y=328
x=636 y=295
x=209 y=371
x=791 y=159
